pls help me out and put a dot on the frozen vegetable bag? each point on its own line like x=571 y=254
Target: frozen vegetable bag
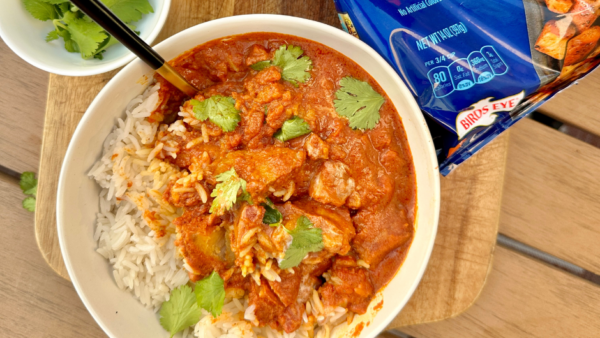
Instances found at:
x=478 y=66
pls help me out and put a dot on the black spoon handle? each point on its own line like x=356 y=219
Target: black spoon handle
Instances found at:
x=96 y=10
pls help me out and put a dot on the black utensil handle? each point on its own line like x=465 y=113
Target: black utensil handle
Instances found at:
x=96 y=10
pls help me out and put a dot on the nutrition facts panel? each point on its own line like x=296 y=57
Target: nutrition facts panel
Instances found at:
x=479 y=67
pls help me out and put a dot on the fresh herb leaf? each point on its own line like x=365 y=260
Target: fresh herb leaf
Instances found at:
x=79 y=32
x=292 y=128
x=180 y=311
x=359 y=102
x=87 y=35
x=226 y=192
x=40 y=10
x=129 y=10
x=294 y=68
x=272 y=215
x=220 y=110
x=260 y=65
x=245 y=196
x=55 y=2
x=28 y=183
x=105 y=44
x=210 y=294
x=64 y=7
x=29 y=204
x=52 y=36
x=305 y=238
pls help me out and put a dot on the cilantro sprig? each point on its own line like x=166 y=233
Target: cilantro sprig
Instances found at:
x=180 y=311
x=294 y=67
x=292 y=128
x=305 y=239
x=79 y=33
x=359 y=102
x=210 y=294
x=28 y=184
x=226 y=192
x=220 y=110
x=183 y=309
x=272 y=216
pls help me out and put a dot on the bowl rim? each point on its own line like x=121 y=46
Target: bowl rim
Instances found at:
x=419 y=123
x=85 y=71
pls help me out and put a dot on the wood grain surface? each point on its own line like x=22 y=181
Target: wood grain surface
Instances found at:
x=464 y=245
x=552 y=194
x=22 y=104
x=524 y=298
x=36 y=302
x=468 y=225
x=578 y=105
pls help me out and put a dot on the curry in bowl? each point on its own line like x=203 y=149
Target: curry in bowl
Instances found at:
x=278 y=201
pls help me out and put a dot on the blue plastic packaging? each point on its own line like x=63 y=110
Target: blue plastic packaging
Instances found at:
x=477 y=67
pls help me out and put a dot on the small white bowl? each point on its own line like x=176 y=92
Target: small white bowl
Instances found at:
x=26 y=35
x=118 y=312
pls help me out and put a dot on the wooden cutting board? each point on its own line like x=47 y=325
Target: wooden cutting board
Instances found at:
x=471 y=195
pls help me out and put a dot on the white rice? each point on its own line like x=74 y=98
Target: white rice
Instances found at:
x=133 y=179
x=142 y=264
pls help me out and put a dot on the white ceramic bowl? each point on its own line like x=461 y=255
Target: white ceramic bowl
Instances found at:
x=117 y=312
x=26 y=35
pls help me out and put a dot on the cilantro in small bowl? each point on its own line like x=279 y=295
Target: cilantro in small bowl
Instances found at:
x=55 y=36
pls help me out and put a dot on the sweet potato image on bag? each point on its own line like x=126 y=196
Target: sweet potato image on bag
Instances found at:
x=559 y=6
x=584 y=13
x=553 y=38
x=580 y=46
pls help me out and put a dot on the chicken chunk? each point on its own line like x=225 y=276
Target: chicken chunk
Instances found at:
x=256 y=54
x=553 y=38
x=291 y=318
x=379 y=231
x=584 y=13
x=287 y=289
x=349 y=286
x=267 y=305
x=263 y=169
x=244 y=235
x=581 y=45
x=333 y=184
x=335 y=223
x=559 y=6
x=316 y=148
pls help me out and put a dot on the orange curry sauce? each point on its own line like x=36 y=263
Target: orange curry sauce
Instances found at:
x=357 y=186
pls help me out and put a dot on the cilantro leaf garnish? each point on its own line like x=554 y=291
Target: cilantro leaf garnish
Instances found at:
x=305 y=238
x=210 y=294
x=87 y=35
x=129 y=10
x=272 y=216
x=29 y=203
x=40 y=10
x=180 y=311
x=245 y=196
x=79 y=32
x=226 y=192
x=28 y=184
x=359 y=102
x=220 y=110
x=294 y=68
x=260 y=65
x=292 y=128
x=52 y=36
